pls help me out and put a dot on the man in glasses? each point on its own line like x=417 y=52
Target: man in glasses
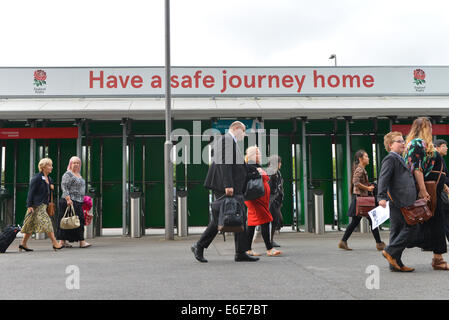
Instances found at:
x=396 y=180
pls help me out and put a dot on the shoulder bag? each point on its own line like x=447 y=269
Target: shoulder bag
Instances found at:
x=444 y=199
x=70 y=220
x=363 y=205
x=254 y=186
x=418 y=212
x=254 y=189
x=51 y=206
x=431 y=187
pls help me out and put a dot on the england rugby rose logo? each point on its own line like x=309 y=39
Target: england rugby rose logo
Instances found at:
x=39 y=78
x=419 y=77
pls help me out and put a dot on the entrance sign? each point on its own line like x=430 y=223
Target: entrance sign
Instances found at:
x=224 y=81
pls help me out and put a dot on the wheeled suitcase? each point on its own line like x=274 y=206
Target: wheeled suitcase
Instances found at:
x=7 y=237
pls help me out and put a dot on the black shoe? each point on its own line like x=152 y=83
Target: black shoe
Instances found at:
x=24 y=248
x=244 y=257
x=198 y=252
x=274 y=244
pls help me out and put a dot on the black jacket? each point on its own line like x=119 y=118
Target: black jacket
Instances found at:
x=228 y=168
x=276 y=188
x=38 y=191
x=396 y=178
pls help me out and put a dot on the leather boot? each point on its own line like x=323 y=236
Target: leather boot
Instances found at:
x=380 y=246
x=344 y=245
x=242 y=256
x=198 y=252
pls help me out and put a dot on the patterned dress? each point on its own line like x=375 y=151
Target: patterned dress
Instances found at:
x=430 y=234
x=38 y=221
x=416 y=157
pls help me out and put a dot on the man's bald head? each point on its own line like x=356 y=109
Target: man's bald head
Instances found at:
x=238 y=130
x=236 y=125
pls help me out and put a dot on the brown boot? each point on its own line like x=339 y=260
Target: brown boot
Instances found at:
x=380 y=246
x=343 y=245
x=407 y=269
x=391 y=261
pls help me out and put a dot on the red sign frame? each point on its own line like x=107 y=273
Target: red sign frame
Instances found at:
x=39 y=133
x=437 y=129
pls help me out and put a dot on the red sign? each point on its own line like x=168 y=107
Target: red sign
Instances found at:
x=437 y=129
x=39 y=133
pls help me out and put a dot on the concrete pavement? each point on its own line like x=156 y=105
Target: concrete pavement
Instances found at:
x=312 y=267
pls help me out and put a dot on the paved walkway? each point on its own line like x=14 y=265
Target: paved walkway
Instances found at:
x=312 y=267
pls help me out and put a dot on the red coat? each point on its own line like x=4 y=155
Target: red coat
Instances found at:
x=258 y=212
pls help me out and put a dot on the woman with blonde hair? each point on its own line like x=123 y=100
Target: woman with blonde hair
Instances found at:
x=258 y=210
x=36 y=219
x=73 y=188
x=426 y=164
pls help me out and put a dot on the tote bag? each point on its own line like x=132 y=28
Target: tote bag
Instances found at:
x=70 y=220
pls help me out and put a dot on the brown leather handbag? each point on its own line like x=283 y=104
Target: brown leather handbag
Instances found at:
x=418 y=212
x=364 y=205
x=431 y=187
x=51 y=206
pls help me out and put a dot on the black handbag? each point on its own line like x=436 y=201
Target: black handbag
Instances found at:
x=231 y=216
x=254 y=188
x=444 y=199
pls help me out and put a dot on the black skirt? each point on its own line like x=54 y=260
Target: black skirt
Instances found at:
x=278 y=221
x=430 y=235
x=352 y=206
x=71 y=235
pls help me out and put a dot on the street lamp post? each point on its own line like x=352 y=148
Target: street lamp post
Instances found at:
x=168 y=167
x=334 y=56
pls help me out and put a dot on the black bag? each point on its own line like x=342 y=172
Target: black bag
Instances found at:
x=7 y=237
x=444 y=200
x=254 y=189
x=231 y=216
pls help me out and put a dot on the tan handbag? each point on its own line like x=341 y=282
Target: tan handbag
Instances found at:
x=51 y=206
x=431 y=188
x=70 y=220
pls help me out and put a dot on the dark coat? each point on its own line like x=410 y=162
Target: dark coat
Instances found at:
x=228 y=168
x=277 y=189
x=396 y=178
x=38 y=191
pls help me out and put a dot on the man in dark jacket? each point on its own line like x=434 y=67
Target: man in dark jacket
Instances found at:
x=226 y=177
x=441 y=146
x=396 y=180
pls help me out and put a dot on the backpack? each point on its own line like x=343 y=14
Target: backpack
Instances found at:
x=231 y=216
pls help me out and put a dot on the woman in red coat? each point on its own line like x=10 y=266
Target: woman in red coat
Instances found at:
x=258 y=212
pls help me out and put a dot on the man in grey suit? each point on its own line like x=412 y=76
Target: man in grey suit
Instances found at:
x=396 y=179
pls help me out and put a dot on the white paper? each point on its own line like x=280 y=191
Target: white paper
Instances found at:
x=379 y=215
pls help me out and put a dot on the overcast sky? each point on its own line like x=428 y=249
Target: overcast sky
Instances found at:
x=224 y=33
